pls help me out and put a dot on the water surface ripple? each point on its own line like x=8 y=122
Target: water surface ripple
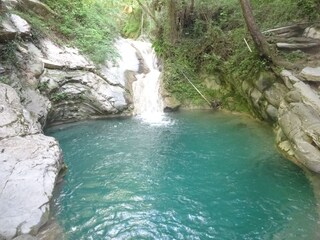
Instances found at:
x=206 y=176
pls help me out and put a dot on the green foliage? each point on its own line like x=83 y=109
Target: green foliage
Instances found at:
x=43 y=86
x=8 y=53
x=133 y=24
x=59 y=96
x=211 y=41
x=274 y=13
x=90 y=25
x=293 y=56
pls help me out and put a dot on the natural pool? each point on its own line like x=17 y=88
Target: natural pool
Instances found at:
x=204 y=175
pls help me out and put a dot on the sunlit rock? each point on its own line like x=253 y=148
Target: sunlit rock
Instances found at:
x=312 y=32
x=29 y=168
x=13 y=26
x=311 y=74
x=30 y=163
x=15 y=120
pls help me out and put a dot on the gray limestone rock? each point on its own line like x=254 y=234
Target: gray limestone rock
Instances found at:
x=265 y=81
x=21 y=25
x=13 y=26
x=256 y=96
x=25 y=237
x=272 y=112
x=30 y=163
x=37 y=104
x=15 y=120
x=9 y=4
x=297 y=46
x=289 y=78
x=171 y=104
x=29 y=168
x=312 y=32
x=275 y=94
x=308 y=95
x=56 y=57
x=311 y=74
x=79 y=94
x=300 y=123
x=51 y=231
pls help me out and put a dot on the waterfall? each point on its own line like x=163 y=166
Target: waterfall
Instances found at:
x=139 y=57
x=146 y=90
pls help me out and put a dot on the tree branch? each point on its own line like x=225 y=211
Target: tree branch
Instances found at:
x=148 y=11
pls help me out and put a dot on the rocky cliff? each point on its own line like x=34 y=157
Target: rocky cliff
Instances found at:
x=291 y=99
x=41 y=83
x=30 y=164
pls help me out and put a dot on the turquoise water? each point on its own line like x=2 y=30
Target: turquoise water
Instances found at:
x=204 y=176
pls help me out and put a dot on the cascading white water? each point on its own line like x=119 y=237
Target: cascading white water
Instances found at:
x=148 y=104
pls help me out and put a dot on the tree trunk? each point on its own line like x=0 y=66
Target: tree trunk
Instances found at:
x=173 y=32
x=192 y=7
x=258 y=38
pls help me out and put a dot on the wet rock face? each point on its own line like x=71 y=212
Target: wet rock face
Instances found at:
x=30 y=163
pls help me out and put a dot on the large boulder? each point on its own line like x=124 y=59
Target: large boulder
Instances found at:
x=311 y=74
x=15 y=119
x=299 y=122
x=275 y=94
x=37 y=104
x=57 y=57
x=30 y=163
x=12 y=27
x=29 y=168
x=81 y=94
x=312 y=32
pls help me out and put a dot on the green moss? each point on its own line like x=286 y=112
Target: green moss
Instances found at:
x=5 y=80
x=59 y=96
x=43 y=86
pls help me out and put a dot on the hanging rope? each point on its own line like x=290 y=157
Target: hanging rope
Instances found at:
x=196 y=89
